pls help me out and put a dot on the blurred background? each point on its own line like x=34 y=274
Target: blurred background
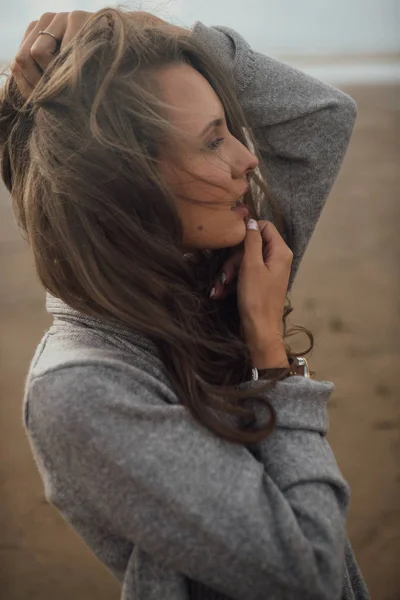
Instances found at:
x=347 y=292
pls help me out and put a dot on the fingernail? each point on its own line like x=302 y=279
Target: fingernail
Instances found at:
x=252 y=224
x=212 y=293
x=223 y=278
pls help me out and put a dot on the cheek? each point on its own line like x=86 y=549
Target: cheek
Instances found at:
x=218 y=180
x=208 y=178
x=206 y=228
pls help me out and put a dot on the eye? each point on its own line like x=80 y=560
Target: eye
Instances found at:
x=215 y=143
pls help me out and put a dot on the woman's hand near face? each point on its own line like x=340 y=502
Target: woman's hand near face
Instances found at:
x=37 y=50
x=259 y=270
x=225 y=283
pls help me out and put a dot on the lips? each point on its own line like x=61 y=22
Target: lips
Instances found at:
x=241 y=209
x=239 y=202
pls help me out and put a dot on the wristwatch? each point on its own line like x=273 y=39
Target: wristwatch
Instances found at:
x=298 y=366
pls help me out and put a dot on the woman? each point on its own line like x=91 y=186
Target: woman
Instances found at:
x=184 y=475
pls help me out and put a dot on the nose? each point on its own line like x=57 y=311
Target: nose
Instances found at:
x=253 y=162
x=245 y=162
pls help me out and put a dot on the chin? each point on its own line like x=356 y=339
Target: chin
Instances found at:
x=233 y=237
x=226 y=233
x=238 y=234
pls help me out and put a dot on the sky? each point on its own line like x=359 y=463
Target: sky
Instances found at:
x=278 y=26
x=274 y=27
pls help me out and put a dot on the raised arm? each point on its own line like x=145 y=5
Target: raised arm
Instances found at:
x=302 y=126
x=197 y=504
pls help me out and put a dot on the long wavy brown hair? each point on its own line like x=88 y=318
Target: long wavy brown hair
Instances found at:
x=80 y=158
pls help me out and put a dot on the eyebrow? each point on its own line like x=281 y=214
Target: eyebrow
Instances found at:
x=211 y=124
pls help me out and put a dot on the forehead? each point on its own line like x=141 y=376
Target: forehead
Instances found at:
x=193 y=102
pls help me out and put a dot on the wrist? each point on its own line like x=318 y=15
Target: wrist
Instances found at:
x=270 y=355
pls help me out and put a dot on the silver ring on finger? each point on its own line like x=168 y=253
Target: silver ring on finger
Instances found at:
x=58 y=42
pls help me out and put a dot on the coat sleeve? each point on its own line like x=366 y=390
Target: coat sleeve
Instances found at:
x=108 y=444
x=302 y=127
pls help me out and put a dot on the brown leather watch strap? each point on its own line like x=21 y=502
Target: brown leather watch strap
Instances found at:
x=298 y=366
x=272 y=373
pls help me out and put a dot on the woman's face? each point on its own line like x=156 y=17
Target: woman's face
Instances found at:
x=212 y=153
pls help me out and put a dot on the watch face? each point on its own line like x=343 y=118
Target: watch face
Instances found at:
x=302 y=362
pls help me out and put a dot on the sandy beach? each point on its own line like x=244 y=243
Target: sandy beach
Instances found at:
x=347 y=292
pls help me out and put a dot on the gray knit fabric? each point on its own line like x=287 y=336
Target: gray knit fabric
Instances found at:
x=173 y=511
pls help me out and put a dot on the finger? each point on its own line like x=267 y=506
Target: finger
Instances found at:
x=217 y=290
x=22 y=83
x=273 y=241
x=45 y=46
x=231 y=266
x=229 y=271
x=228 y=290
x=28 y=31
x=235 y=260
x=270 y=235
x=268 y=230
x=24 y=64
x=222 y=291
x=253 y=243
x=75 y=22
x=64 y=27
